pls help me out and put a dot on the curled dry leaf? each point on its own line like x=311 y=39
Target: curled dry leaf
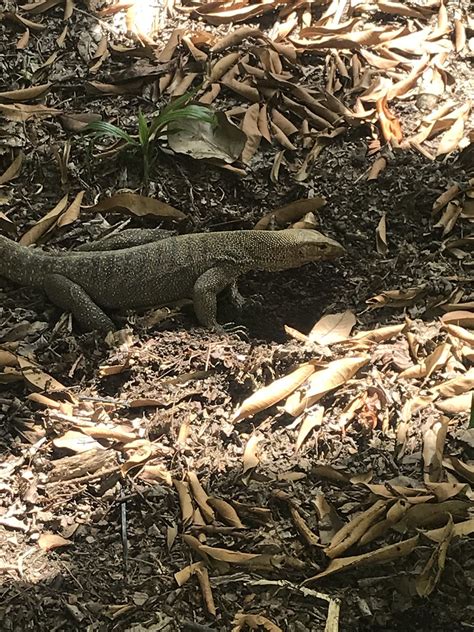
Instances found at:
x=429 y=365
x=379 y=335
x=463 y=470
x=139 y=205
x=13 y=171
x=200 y=496
x=26 y=94
x=451 y=139
x=250 y=458
x=206 y=590
x=185 y=574
x=291 y=212
x=449 y=217
x=324 y=380
x=37 y=379
x=462 y=317
x=396 y=298
x=253 y=622
x=381 y=235
x=251 y=130
x=226 y=512
x=455 y=405
x=274 y=392
x=333 y=328
x=433 y=447
x=456 y=386
x=429 y=577
x=155 y=473
x=45 y=223
x=76 y=442
x=379 y=556
x=351 y=532
x=138 y=452
x=185 y=502
x=50 y=541
x=376 y=169
x=311 y=420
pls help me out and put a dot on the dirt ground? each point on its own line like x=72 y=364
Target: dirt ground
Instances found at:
x=171 y=389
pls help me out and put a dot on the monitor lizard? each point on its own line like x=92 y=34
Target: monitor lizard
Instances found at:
x=163 y=270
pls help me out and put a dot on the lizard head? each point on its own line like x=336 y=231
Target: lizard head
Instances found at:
x=304 y=246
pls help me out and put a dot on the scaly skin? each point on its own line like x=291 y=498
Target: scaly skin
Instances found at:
x=196 y=266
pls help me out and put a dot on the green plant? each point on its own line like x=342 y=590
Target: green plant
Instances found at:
x=150 y=132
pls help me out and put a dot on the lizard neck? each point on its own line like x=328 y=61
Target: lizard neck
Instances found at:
x=22 y=265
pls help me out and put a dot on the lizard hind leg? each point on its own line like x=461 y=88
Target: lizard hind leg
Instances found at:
x=73 y=298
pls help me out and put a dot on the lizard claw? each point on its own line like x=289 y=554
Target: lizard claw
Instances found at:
x=239 y=330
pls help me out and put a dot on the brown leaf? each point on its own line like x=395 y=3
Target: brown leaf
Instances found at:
x=459 y=317
x=430 y=364
x=36 y=378
x=379 y=556
x=429 y=577
x=334 y=375
x=185 y=501
x=310 y=421
x=434 y=439
x=456 y=386
x=23 y=112
x=40 y=7
x=332 y=328
x=24 y=40
x=50 y=541
x=206 y=590
x=250 y=457
x=26 y=94
x=44 y=224
x=449 y=217
x=291 y=212
x=463 y=470
x=76 y=442
x=351 y=532
x=251 y=130
x=274 y=392
x=219 y=12
x=234 y=38
x=139 y=205
x=376 y=169
x=455 y=405
x=226 y=512
x=381 y=236
x=200 y=496
x=450 y=140
x=137 y=453
x=13 y=171
x=72 y=212
x=446 y=197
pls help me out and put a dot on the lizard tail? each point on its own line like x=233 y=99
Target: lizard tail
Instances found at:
x=20 y=264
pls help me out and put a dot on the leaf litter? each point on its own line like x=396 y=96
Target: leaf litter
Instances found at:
x=340 y=453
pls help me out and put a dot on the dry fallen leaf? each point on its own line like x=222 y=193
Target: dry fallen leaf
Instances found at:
x=274 y=392
x=13 y=171
x=250 y=457
x=332 y=328
x=50 y=541
x=139 y=205
x=324 y=380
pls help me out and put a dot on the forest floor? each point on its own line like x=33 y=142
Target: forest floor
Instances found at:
x=140 y=488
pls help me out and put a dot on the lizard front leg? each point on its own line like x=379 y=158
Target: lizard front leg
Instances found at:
x=205 y=292
x=73 y=298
